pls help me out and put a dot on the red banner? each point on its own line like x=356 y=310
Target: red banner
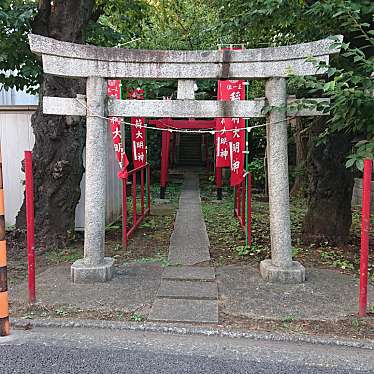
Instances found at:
x=221 y=135
x=235 y=90
x=138 y=139
x=231 y=144
x=138 y=134
x=114 y=90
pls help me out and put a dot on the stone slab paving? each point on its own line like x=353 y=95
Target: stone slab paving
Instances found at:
x=188 y=293
x=187 y=289
x=189 y=243
x=326 y=294
x=182 y=310
x=202 y=273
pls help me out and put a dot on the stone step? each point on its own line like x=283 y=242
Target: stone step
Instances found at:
x=196 y=290
x=180 y=310
x=202 y=273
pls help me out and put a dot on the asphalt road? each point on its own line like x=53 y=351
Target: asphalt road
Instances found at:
x=76 y=350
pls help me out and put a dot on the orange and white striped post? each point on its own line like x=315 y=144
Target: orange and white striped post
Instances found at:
x=4 y=308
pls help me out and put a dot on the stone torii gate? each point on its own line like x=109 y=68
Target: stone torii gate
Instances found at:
x=97 y=64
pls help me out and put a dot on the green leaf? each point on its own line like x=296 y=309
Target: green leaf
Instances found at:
x=350 y=162
x=360 y=165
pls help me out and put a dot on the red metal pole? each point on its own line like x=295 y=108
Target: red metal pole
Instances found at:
x=163 y=165
x=243 y=204
x=365 y=226
x=142 y=190
x=174 y=149
x=207 y=151
x=235 y=199
x=124 y=212
x=149 y=186
x=168 y=134
x=134 y=198
x=4 y=302
x=219 y=183
x=218 y=177
x=30 y=226
x=249 y=209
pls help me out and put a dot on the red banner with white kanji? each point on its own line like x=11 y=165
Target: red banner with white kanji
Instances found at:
x=221 y=140
x=237 y=148
x=138 y=141
x=114 y=90
x=230 y=139
x=138 y=133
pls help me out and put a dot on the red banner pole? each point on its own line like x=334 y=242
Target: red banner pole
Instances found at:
x=142 y=190
x=4 y=299
x=249 y=209
x=124 y=212
x=219 y=182
x=235 y=199
x=243 y=203
x=365 y=226
x=168 y=135
x=134 y=198
x=149 y=185
x=163 y=165
x=30 y=226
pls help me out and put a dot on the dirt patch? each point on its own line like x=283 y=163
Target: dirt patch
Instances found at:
x=350 y=327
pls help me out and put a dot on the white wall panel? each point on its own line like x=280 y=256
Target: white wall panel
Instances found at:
x=16 y=136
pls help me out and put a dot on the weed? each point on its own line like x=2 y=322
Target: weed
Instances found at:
x=288 y=319
x=336 y=260
x=158 y=258
x=137 y=317
x=242 y=250
x=64 y=255
x=117 y=247
x=28 y=316
x=61 y=312
x=356 y=323
x=296 y=252
x=112 y=226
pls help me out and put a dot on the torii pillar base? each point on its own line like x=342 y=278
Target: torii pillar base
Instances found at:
x=286 y=275
x=81 y=272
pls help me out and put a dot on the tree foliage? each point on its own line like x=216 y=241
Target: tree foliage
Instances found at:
x=18 y=66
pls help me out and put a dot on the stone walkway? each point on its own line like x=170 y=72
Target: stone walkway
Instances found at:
x=188 y=293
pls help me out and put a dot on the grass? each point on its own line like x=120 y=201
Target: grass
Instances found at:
x=228 y=241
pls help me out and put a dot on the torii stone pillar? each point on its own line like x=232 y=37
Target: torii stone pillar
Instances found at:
x=94 y=267
x=280 y=268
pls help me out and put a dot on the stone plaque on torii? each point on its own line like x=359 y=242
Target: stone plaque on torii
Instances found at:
x=98 y=64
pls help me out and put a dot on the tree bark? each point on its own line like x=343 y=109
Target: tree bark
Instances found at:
x=329 y=215
x=298 y=188
x=59 y=140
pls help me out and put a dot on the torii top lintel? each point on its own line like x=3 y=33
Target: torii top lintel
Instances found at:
x=77 y=60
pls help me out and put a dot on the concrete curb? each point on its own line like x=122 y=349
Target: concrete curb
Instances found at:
x=188 y=329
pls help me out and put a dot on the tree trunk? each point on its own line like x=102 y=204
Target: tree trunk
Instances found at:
x=329 y=215
x=298 y=188
x=59 y=140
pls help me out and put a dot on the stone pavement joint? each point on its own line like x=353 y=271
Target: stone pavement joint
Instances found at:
x=189 y=273
x=181 y=310
x=188 y=290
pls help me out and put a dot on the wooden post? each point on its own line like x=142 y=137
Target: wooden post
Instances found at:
x=4 y=307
